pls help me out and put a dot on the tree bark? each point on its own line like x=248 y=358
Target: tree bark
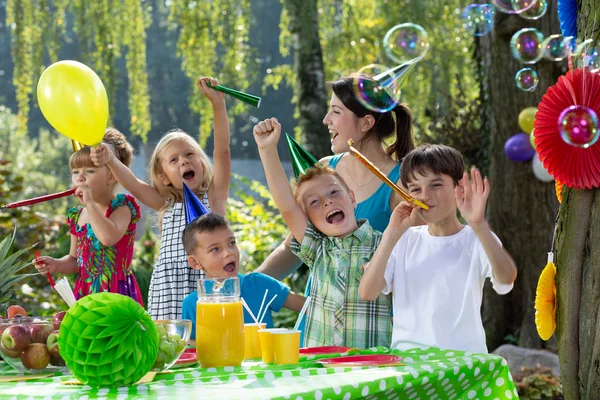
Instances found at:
x=521 y=209
x=310 y=75
x=578 y=270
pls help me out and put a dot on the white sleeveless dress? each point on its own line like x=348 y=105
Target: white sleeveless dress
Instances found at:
x=172 y=278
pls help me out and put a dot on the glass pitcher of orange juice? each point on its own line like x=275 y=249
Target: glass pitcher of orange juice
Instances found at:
x=219 y=323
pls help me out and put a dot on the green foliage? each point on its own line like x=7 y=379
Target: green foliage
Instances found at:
x=213 y=41
x=36 y=167
x=538 y=383
x=103 y=28
x=10 y=266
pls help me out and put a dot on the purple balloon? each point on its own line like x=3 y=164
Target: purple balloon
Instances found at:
x=518 y=148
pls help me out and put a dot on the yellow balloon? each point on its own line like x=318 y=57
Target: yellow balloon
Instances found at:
x=532 y=139
x=73 y=100
x=526 y=119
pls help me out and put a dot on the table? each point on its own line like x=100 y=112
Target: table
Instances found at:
x=429 y=373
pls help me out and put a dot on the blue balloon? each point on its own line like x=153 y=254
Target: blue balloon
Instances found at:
x=518 y=148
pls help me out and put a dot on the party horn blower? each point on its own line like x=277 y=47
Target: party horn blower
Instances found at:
x=245 y=97
x=384 y=178
x=40 y=199
x=37 y=256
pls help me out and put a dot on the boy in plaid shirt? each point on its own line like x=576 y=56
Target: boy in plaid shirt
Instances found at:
x=329 y=239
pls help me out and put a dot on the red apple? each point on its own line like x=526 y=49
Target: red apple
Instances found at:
x=35 y=356
x=40 y=332
x=57 y=361
x=57 y=320
x=14 y=310
x=9 y=353
x=52 y=344
x=16 y=337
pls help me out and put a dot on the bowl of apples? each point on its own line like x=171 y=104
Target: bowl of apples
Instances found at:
x=173 y=337
x=30 y=344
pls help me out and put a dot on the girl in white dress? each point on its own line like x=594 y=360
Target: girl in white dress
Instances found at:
x=178 y=159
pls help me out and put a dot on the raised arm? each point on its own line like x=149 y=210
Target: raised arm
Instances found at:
x=108 y=230
x=266 y=134
x=102 y=155
x=219 y=189
x=471 y=199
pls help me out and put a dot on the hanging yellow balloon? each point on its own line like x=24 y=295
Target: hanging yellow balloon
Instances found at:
x=532 y=139
x=73 y=100
x=526 y=119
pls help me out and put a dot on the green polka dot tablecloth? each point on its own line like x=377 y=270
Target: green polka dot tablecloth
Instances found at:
x=429 y=374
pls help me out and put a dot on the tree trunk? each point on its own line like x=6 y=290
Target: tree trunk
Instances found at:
x=578 y=271
x=310 y=75
x=521 y=209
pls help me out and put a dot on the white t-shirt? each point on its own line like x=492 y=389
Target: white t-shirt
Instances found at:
x=437 y=285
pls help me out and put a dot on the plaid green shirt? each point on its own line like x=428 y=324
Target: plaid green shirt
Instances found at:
x=337 y=316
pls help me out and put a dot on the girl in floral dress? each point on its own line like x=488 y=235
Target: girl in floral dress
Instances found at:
x=102 y=228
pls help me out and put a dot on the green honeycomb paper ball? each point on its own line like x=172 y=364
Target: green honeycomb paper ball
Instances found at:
x=108 y=339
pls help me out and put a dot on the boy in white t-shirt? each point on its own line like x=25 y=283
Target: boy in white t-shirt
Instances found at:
x=436 y=271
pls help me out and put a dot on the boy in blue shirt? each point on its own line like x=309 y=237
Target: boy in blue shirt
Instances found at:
x=211 y=246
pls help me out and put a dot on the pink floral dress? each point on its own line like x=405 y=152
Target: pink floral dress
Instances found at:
x=105 y=268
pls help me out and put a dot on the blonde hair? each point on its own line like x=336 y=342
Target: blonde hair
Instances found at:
x=116 y=142
x=155 y=170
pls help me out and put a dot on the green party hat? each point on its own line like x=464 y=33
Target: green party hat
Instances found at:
x=108 y=339
x=245 y=97
x=301 y=159
x=395 y=78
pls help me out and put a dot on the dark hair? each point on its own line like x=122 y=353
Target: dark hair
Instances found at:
x=384 y=126
x=206 y=223
x=117 y=143
x=315 y=172
x=435 y=157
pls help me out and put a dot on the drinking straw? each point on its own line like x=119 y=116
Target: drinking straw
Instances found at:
x=40 y=199
x=245 y=97
x=384 y=178
x=262 y=304
x=266 y=308
x=302 y=312
x=249 y=311
x=64 y=290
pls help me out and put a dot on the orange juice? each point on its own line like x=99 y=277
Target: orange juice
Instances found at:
x=219 y=333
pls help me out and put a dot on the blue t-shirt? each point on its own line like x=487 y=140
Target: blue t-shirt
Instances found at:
x=252 y=288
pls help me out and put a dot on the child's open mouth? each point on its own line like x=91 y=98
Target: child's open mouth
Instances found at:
x=189 y=175
x=335 y=217
x=229 y=267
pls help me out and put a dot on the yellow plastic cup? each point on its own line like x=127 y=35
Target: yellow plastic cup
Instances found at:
x=266 y=343
x=251 y=341
x=286 y=347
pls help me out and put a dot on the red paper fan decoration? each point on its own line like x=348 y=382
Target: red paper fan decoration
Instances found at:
x=575 y=167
